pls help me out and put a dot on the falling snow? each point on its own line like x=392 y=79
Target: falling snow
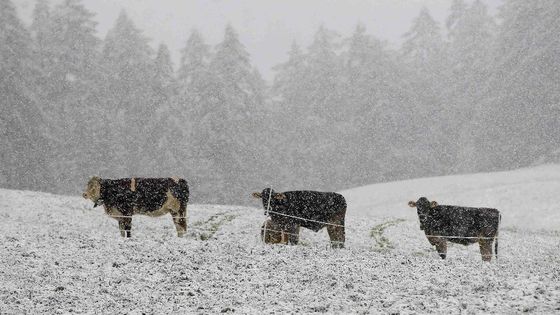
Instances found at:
x=463 y=109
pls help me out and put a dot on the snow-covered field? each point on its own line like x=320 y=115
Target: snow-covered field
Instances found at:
x=59 y=255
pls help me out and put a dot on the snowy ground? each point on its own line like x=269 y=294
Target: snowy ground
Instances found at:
x=60 y=255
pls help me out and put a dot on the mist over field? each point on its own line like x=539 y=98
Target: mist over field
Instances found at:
x=381 y=101
x=469 y=92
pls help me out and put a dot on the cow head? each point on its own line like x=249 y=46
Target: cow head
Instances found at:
x=268 y=193
x=93 y=191
x=423 y=206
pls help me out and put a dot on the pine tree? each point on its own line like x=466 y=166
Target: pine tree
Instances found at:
x=71 y=92
x=194 y=82
x=469 y=48
x=369 y=72
x=523 y=107
x=289 y=96
x=43 y=49
x=379 y=102
x=323 y=68
x=131 y=98
x=229 y=126
x=195 y=57
x=168 y=127
x=288 y=86
x=21 y=121
x=164 y=74
x=472 y=35
x=423 y=52
x=73 y=30
x=423 y=44
x=458 y=9
x=321 y=130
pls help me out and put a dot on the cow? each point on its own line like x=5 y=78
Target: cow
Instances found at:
x=313 y=210
x=154 y=197
x=462 y=225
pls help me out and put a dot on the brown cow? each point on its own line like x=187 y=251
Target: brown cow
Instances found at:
x=124 y=197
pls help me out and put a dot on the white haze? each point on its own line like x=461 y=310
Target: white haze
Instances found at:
x=383 y=101
x=266 y=28
x=374 y=91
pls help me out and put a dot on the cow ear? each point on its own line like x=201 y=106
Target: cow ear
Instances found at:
x=279 y=196
x=257 y=195
x=433 y=204
x=412 y=204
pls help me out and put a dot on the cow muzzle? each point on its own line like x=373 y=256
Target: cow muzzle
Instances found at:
x=97 y=202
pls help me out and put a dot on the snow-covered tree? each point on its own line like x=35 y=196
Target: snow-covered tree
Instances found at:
x=423 y=51
x=21 y=120
x=226 y=131
x=523 y=119
x=43 y=48
x=457 y=12
x=288 y=86
x=70 y=92
x=471 y=38
x=377 y=97
x=130 y=95
x=423 y=44
x=164 y=76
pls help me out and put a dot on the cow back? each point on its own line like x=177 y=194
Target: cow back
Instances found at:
x=151 y=193
x=462 y=221
x=147 y=195
x=308 y=208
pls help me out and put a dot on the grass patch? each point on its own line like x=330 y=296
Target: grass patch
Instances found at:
x=376 y=232
x=205 y=229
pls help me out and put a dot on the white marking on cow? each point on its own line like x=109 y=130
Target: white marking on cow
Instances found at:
x=113 y=212
x=133 y=184
x=171 y=204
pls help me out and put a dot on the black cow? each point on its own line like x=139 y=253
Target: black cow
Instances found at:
x=460 y=225
x=124 y=197
x=314 y=210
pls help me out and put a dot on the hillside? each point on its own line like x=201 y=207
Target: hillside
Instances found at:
x=527 y=198
x=61 y=255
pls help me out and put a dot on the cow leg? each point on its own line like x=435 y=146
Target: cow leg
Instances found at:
x=125 y=225
x=284 y=238
x=337 y=236
x=180 y=221
x=440 y=244
x=441 y=248
x=292 y=232
x=485 y=249
x=336 y=230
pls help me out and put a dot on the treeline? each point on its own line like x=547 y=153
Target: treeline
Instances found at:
x=479 y=93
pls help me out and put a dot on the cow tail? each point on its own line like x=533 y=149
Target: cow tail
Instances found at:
x=497 y=236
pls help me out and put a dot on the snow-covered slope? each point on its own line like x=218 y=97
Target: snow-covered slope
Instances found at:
x=60 y=255
x=527 y=198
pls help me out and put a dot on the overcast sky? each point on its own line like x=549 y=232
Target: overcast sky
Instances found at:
x=266 y=27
